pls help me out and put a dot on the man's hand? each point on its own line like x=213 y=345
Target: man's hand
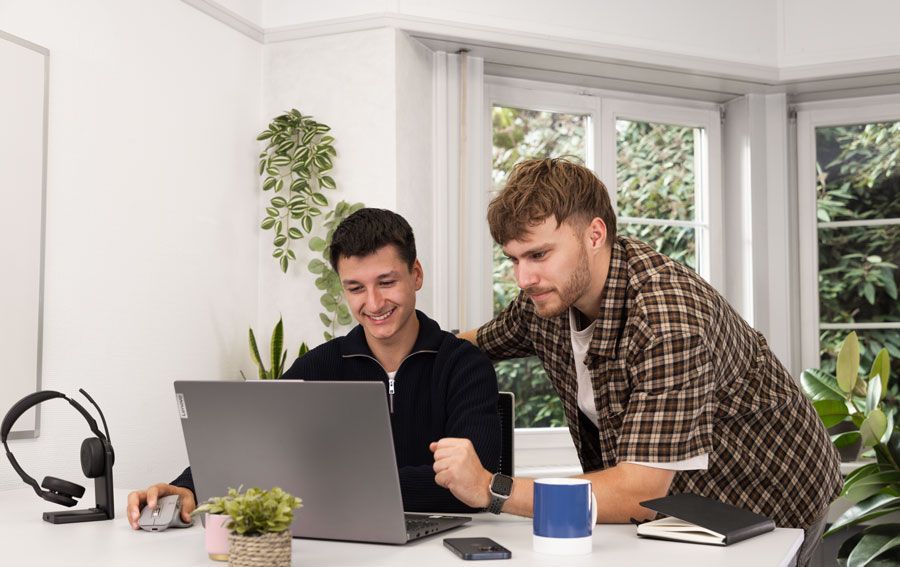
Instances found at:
x=149 y=497
x=459 y=469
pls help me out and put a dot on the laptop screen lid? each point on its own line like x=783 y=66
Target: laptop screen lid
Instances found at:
x=328 y=443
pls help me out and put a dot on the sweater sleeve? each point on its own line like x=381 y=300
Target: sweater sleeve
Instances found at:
x=471 y=403
x=186 y=480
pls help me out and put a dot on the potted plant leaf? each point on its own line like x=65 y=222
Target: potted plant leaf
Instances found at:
x=874 y=488
x=277 y=354
x=259 y=525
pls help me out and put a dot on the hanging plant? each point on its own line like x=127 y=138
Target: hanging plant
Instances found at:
x=332 y=299
x=294 y=167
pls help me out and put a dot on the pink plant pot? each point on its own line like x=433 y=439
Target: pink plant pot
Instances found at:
x=217 y=536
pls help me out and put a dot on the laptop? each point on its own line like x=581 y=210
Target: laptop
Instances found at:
x=328 y=443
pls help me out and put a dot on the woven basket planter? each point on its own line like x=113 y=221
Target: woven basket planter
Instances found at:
x=268 y=550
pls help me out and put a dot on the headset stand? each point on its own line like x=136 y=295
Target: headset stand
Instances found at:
x=103 y=491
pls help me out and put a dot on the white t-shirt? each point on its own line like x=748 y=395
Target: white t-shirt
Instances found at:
x=581 y=341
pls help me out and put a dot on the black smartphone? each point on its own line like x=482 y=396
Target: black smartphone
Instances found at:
x=474 y=548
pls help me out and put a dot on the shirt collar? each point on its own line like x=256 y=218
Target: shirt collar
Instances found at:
x=611 y=320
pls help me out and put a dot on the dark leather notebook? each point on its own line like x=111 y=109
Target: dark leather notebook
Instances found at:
x=697 y=519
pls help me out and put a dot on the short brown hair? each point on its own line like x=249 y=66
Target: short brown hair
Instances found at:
x=539 y=188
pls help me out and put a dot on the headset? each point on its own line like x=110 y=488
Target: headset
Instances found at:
x=97 y=458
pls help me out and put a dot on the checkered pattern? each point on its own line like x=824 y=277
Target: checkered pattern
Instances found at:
x=677 y=373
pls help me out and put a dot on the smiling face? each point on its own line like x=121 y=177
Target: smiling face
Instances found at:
x=553 y=267
x=380 y=289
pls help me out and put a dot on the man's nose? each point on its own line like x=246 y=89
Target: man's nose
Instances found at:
x=375 y=300
x=525 y=276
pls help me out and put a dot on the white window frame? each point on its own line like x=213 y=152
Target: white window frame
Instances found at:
x=707 y=220
x=549 y=450
x=810 y=116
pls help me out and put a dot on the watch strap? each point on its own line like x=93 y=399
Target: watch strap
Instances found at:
x=498 y=498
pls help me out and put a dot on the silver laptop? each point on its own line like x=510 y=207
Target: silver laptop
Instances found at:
x=328 y=443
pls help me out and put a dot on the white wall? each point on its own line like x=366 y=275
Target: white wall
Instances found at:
x=415 y=180
x=348 y=82
x=374 y=89
x=815 y=32
x=151 y=243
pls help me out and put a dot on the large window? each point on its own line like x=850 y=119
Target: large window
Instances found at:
x=519 y=134
x=850 y=203
x=653 y=157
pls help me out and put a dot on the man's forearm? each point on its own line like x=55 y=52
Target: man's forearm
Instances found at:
x=618 y=491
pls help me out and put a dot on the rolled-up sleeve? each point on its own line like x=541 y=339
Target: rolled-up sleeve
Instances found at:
x=670 y=414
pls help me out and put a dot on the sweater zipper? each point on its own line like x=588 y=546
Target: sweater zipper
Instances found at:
x=391 y=381
x=391 y=393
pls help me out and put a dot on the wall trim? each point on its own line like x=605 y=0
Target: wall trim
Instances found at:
x=529 y=55
x=231 y=19
x=487 y=37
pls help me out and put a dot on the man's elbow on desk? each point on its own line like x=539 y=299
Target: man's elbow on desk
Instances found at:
x=620 y=489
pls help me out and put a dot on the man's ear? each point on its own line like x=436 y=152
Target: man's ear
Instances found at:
x=596 y=233
x=418 y=274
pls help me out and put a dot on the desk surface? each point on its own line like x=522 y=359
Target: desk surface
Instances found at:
x=30 y=540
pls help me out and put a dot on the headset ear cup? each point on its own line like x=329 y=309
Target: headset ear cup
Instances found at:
x=93 y=457
x=62 y=487
x=59 y=499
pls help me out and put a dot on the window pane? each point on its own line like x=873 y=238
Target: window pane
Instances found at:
x=858 y=274
x=520 y=134
x=858 y=171
x=655 y=170
x=676 y=242
x=870 y=342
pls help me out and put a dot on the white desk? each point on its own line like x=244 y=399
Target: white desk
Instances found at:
x=28 y=540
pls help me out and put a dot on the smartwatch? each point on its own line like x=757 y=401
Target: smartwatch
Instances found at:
x=501 y=488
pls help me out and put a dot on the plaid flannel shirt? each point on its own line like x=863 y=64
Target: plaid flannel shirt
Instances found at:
x=677 y=373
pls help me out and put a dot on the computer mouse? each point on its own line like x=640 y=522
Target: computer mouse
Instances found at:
x=167 y=514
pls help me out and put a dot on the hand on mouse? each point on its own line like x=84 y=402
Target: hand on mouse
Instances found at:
x=140 y=498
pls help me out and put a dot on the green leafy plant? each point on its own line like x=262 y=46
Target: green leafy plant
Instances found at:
x=858 y=179
x=327 y=280
x=254 y=512
x=851 y=397
x=277 y=354
x=294 y=166
x=874 y=488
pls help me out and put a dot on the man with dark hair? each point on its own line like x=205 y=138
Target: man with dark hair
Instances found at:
x=436 y=384
x=665 y=388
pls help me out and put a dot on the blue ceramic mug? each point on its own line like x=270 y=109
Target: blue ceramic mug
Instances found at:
x=565 y=511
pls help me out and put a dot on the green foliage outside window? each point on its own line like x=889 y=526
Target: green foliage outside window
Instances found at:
x=858 y=179
x=520 y=135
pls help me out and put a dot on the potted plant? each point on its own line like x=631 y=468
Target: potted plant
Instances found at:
x=215 y=520
x=259 y=525
x=277 y=353
x=874 y=488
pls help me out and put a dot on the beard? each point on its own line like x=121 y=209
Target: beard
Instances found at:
x=575 y=286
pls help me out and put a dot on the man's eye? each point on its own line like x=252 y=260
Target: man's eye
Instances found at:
x=354 y=289
x=538 y=255
x=387 y=283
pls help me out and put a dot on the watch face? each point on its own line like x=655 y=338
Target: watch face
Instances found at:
x=501 y=484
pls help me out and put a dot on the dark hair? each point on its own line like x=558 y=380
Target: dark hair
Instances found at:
x=539 y=188
x=367 y=230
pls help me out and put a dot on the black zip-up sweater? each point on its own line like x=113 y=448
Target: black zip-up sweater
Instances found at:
x=445 y=387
